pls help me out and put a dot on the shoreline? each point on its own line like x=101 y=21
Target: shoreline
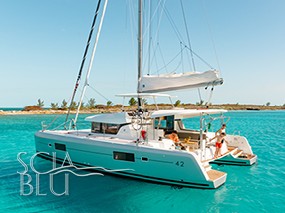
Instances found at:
x=110 y=109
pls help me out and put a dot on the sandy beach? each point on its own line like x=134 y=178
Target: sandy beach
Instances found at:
x=110 y=109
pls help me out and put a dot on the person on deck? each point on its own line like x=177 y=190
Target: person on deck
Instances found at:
x=174 y=137
x=220 y=140
x=222 y=129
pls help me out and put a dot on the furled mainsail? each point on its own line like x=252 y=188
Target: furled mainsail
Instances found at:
x=171 y=82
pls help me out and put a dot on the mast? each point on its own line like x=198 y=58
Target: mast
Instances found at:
x=82 y=63
x=140 y=20
x=91 y=61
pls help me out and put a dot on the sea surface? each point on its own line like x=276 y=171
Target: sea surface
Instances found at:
x=11 y=109
x=259 y=188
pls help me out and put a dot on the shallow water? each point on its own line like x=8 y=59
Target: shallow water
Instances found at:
x=259 y=188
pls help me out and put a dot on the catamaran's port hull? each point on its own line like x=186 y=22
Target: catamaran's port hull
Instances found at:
x=150 y=164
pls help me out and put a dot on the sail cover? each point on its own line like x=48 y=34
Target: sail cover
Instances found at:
x=170 y=82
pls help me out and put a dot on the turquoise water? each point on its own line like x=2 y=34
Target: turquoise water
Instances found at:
x=259 y=188
x=11 y=109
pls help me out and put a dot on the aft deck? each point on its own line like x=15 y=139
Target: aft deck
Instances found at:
x=215 y=174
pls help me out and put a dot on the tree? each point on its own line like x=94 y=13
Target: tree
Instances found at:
x=54 y=105
x=132 y=102
x=200 y=103
x=91 y=103
x=177 y=103
x=109 y=103
x=82 y=105
x=40 y=103
x=268 y=104
x=63 y=104
x=73 y=105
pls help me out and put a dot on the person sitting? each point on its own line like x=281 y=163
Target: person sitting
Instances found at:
x=174 y=137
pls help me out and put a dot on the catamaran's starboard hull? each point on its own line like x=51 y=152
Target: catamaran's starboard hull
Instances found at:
x=239 y=161
x=162 y=166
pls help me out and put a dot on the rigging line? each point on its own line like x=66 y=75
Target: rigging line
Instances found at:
x=85 y=96
x=181 y=44
x=56 y=117
x=149 y=36
x=83 y=60
x=209 y=65
x=107 y=99
x=180 y=38
x=189 y=43
x=159 y=19
x=88 y=98
x=132 y=32
x=159 y=22
x=132 y=21
x=188 y=36
x=91 y=60
x=165 y=65
x=154 y=57
x=210 y=96
x=188 y=58
x=152 y=17
x=211 y=35
x=171 y=60
x=176 y=68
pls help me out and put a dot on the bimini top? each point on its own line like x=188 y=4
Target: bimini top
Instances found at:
x=186 y=113
x=110 y=118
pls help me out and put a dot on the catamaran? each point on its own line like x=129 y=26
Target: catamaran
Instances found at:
x=137 y=144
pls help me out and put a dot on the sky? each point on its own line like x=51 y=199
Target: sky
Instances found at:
x=42 y=44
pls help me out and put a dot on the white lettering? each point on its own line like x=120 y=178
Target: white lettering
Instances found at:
x=22 y=179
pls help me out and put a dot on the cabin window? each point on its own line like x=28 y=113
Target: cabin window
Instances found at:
x=165 y=123
x=124 y=156
x=111 y=128
x=59 y=146
x=105 y=128
x=96 y=127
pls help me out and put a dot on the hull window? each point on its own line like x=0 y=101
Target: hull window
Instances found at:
x=124 y=156
x=144 y=159
x=59 y=146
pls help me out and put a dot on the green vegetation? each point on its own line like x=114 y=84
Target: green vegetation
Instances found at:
x=40 y=103
x=177 y=103
x=200 y=103
x=132 y=102
x=73 y=105
x=54 y=106
x=82 y=105
x=110 y=107
x=91 y=103
x=64 y=104
x=109 y=103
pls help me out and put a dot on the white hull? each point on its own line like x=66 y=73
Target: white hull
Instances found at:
x=175 y=167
